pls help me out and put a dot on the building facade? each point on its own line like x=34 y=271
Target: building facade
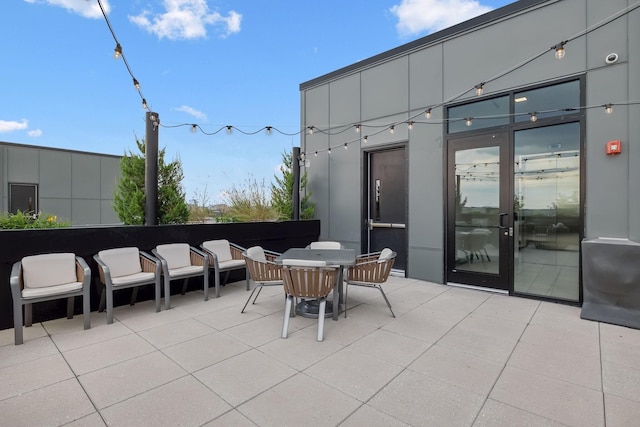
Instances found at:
x=75 y=186
x=485 y=153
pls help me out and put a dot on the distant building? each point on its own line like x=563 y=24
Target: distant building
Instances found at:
x=486 y=152
x=75 y=186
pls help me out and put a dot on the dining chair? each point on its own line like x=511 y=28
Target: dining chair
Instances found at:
x=122 y=268
x=307 y=279
x=182 y=261
x=224 y=256
x=262 y=270
x=370 y=271
x=48 y=277
x=325 y=244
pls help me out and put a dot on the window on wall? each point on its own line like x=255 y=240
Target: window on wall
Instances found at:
x=23 y=198
x=549 y=101
x=479 y=115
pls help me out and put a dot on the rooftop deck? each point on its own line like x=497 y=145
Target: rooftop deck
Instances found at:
x=452 y=357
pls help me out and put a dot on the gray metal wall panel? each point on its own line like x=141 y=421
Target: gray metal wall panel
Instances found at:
x=85 y=177
x=107 y=214
x=109 y=176
x=22 y=165
x=344 y=98
x=633 y=113
x=61 y=207
x=609 y=38
x=425 y=78
x=385 y=89
x=85 y=211
x=55 y=174
x=426 y=264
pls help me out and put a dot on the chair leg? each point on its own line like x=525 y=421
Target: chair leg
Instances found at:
x=109 y=306
x=346 y=292
x=217 y=281
x=158 y=294
x=184 y=285
x=248 y=278
x=86 y=307
x=258 y=294
x=249 y=299
x=134 y=296
x=321 y=310
x=70 y=302
x=17 y=322
x=28 y=315
x=387 y=300
x=287 y=313
x=103 y=301
x=167 y=293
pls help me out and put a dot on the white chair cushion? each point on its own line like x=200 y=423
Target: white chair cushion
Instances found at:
x=51 y=290
x=256 y=253
x=177 y=255
x=303 y=263
x=121 y=261
x=141 y=277
x=231 y=264
x=190 y=270
x=221 y=248
x=326 y=244
x=385 y=254
x=41 y=271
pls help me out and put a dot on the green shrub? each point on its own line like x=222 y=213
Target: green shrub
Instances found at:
x=23 y=220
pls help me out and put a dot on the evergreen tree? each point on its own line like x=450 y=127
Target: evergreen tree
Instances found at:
x=282 y=191
x=129 y=198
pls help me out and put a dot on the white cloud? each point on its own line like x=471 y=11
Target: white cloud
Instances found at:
x=88 y=9
x=186 y=19
x=10 y=126
x=192 y=111
x=417 y=16
x=34 y=133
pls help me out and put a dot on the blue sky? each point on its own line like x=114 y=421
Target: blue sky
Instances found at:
x=214 y=63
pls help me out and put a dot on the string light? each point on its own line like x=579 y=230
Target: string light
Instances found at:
x=469 y=121
x=136 y=84
x=357 y=128
x=346 y=147
x=364 y=140
x=559 y=48
x=229 y=129
x=144 y=104
x=534 y=117
x=117 y=52
x=608 y=108
x=427 y=114
x=480 y=89
x=392 y=129
x=410 y=125
x=310 y=130
x=194 y=128
x=329 y=150
x=268 y=130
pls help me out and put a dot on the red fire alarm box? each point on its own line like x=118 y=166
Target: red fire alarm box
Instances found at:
x=614 y=147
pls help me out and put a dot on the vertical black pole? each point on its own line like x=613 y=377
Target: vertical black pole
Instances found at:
x=151 y=169
x=295 y=197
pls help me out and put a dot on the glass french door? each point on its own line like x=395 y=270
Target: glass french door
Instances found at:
x=480 y=213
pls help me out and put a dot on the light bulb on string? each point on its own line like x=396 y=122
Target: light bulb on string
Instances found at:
x=534 y=117
x=469 y=121
x=427 y=114
x=310 y=129
x=117 y=52
x=136 y=84
x=268 y=130
x=229 y=129
x=480 y=89
x=194 y=128
x=329 y=150
x=346 y=147
x=392 y=129
x=559 y=48
x=608 y=108
x=144 y=104
x=357 y=128
x=364 y=140
x=410 y=125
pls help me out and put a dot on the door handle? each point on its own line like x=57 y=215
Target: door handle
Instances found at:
x=501 y=221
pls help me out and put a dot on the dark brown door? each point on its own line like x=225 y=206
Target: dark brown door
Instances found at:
x=386 y=215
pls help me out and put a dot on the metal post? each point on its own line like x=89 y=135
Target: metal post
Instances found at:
x=295 y=168
x=151 y=168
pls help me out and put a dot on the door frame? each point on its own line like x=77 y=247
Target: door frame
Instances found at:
x=365 y=241
x=502 y=280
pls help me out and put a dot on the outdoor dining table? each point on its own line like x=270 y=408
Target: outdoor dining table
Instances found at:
x=341 y=257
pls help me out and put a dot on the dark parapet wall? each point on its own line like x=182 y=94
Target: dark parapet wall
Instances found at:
x=86 y=242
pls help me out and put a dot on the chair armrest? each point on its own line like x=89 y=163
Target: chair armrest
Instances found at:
x=271 y=255
x=83 y=272
x=149 y=264
x=236 y=251
x=103 y=269
x=17 y=284
x=371 y=256
x=198 y=257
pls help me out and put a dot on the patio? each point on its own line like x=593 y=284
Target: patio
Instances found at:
x=452 y=357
